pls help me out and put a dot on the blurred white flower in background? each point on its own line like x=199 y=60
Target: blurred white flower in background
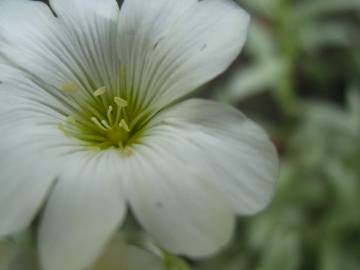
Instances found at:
x=118 y=255
x=92 y=120
x=121 y=256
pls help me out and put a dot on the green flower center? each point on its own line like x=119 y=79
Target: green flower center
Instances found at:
x=102 y=119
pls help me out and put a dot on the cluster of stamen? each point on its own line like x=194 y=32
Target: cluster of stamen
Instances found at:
x=107 y=129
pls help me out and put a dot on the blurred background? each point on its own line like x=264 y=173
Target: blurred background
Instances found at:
x=299 y=77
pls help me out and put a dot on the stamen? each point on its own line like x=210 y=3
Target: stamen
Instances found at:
x=70 y=88
x=124 y=125
x=122 y=103
x=100 y=91
x=98 y=124
x=109 y=114
x=105 y=124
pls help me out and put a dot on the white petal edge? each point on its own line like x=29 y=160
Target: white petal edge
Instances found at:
x=240 y=158
x=170 y=47
x=84 y=210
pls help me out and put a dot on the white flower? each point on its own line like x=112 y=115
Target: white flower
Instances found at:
x=91 y=121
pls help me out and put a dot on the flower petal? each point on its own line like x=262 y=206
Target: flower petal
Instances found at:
x=217 y=138
x=84 y=210
x=91 y=27
x=29 y=41
x=29 y=157
x=170 y=47
x=85 y=10
x=73 y=49
x=176 y=204
x=24 y=184
x=22 y=100
x=27 y=172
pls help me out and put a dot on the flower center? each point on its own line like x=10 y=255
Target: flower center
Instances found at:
x=105 y=117
x=105 y=127
x=101 y=121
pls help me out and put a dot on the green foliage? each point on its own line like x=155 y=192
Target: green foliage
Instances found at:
x=289 y=38
x=306 y=56
x=7 y=253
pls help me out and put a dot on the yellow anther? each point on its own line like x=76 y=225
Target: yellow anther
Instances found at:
x=70 y=88
x=120 y=102
x=100 y=91
x=124 y=125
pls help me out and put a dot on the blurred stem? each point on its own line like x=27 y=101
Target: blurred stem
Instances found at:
x=285 y=93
